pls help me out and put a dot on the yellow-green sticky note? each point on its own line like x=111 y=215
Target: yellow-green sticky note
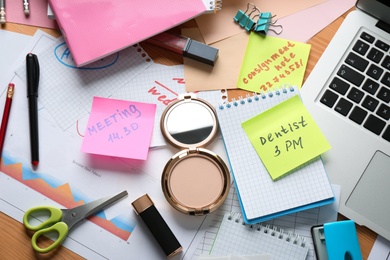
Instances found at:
x=272 y=61
x=285 y=137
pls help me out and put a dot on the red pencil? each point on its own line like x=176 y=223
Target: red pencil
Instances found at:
x=7 y=108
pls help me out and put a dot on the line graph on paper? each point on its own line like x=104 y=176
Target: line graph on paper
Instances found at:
x=299 y=223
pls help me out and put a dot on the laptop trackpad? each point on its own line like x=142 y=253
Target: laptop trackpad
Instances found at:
x=371 y=195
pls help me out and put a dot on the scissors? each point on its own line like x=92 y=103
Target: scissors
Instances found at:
x=61 y=221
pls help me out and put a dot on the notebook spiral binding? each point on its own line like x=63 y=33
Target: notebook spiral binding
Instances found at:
x=270 y=230
x=216 y=5
x=142 y=52
x=257 y=96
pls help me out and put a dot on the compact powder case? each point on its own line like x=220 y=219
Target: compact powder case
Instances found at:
x=195 y=181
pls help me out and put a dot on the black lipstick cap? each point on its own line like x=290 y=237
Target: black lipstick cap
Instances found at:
x=200 y=52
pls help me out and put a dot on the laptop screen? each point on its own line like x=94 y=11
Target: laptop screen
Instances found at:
x=385 y=2
x=379 y=9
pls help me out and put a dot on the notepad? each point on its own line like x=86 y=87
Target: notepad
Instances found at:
x=95 y=29
x=285 y=136
x=260 y=197
x=236 y=238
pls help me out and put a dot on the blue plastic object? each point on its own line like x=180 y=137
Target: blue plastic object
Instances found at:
x=341 y=241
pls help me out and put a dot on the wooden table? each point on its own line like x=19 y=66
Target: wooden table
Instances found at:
x=15 y=240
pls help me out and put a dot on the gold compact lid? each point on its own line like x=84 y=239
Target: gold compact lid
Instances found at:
x=189 y=122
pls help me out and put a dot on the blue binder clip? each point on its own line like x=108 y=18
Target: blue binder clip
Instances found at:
x=245 y=19
x=336 y=240
x=265 y=22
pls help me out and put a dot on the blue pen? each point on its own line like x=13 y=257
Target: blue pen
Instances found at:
x=32 y=67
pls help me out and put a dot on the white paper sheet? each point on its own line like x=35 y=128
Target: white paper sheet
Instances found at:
x=161 y=85
x=11 y=46
x=299 y=223
x=380 y=250
x=65 y=174
x=67 y=91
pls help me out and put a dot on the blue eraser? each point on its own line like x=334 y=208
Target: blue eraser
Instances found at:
x=341 y=240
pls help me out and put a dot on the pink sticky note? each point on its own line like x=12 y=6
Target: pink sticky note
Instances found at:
x=119 y=128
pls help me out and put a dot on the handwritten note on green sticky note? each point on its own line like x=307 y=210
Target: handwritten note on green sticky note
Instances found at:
x=271 y=61
x=285 y=137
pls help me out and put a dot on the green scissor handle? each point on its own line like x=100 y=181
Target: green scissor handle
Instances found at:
x=52 y=224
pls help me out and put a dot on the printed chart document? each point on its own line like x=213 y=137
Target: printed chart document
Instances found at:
x=75 y=176
x=66 y=174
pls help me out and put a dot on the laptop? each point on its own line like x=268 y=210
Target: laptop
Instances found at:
x=348 y=94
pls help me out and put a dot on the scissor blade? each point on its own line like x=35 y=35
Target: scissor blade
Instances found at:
x=72 y=216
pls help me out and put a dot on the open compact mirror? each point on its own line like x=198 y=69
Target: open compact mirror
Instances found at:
x=195 y=181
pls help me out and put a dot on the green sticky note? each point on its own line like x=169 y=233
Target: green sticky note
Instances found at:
x=271 y=61
x=285 y=137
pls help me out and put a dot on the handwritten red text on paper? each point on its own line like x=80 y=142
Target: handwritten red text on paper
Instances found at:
x=283 y=61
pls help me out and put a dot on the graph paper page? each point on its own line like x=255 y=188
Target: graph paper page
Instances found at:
x=298 y=223
x=67 y=91
x=260 y=196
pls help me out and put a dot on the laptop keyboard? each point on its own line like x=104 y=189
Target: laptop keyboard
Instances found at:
x=360 y=88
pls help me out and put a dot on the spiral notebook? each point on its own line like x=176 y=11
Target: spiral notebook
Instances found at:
x=260 y=197
x=95 y=29
x=236 y=238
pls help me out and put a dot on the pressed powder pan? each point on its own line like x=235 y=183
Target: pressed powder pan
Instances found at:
x=195 y=181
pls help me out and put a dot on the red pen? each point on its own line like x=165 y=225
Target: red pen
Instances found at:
x=7 y=109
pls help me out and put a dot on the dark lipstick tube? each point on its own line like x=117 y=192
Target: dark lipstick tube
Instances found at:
x=145 y=208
